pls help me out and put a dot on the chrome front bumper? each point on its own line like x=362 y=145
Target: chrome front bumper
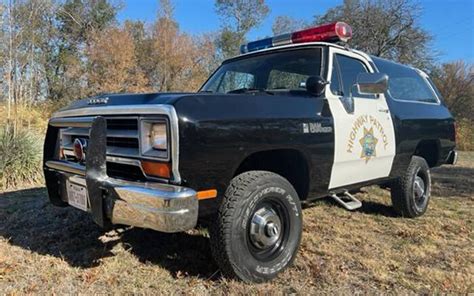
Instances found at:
x=165 y=208
x=162 y=207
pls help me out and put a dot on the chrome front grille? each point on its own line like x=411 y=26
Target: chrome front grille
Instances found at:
x=123 y=118
x=122 y=138
x=123 y=147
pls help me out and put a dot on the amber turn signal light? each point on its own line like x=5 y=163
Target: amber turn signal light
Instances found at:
x=206 y=194
x=157 y=169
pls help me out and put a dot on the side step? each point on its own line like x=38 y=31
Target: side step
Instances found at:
x=349 y=202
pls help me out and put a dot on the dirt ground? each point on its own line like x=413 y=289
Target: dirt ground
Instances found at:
x=44 y=249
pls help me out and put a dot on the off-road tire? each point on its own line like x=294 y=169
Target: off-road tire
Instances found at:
x=229 y=233
x=403 y=193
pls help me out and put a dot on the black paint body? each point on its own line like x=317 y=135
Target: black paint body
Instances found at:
x=418 y=123
x=219 y=132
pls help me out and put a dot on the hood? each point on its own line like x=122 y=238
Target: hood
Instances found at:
x=126 y=99
x=208 y=106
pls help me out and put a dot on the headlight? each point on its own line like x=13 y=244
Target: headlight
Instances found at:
x=154 y=138
x=158 y=136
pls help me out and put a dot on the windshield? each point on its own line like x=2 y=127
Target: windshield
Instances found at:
x=277 y=71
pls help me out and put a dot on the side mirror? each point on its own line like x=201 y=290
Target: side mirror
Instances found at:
x=372 y=83
x=315 y=85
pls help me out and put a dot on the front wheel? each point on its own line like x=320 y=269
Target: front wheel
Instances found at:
x=258 y=227
x=411 y=192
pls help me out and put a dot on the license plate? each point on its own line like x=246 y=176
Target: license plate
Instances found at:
x=77 y=196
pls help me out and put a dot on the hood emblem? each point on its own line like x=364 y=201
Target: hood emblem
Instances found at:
x=98 y=101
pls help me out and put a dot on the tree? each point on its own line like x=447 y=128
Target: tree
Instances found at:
x=238 y=18
x=385 y=28
x=284 y=24
x=2 y=46
x=144 y=43
x=455 y=81
x=25 y=26
x=181 y=60
x=76 y=22
x=113 y=63
x=80 y=18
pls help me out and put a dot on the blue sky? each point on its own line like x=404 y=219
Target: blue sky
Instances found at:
x=451 y=22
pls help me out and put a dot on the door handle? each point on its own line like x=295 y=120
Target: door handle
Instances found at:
x=384 y=110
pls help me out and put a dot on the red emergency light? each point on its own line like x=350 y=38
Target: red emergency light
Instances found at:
x=333 y=32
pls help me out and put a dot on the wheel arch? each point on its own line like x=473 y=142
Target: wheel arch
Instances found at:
x=429 y=150
x=290 y=163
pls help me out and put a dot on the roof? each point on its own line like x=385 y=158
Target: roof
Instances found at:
x=296 y=45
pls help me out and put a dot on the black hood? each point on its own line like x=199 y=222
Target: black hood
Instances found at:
x=127 y=99
x=209 y=106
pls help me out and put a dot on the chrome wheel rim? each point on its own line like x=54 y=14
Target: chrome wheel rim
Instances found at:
x=265 y=228
x=419 y=187
x=419 y=190
x=268 y=229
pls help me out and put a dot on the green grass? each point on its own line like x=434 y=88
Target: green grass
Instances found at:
x=20 y=158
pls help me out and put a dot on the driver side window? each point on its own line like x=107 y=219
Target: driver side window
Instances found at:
x=348 y=69
x=344 y=77
x=335 y=84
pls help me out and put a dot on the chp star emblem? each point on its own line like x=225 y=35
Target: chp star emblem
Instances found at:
x=368 y=143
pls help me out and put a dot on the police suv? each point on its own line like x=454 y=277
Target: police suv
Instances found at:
x=295 y=118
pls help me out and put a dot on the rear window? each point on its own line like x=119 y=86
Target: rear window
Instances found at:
x=405 y=83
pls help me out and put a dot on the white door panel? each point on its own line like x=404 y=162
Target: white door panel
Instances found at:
x=364 y=139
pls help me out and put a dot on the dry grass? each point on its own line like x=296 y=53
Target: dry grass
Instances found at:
x=34 y=117
x=44 y=249
x=465 y=134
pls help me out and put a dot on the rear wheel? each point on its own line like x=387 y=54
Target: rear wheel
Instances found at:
x=258 y=228
x=411 y=192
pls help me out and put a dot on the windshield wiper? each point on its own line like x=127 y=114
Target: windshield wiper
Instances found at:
x=427 y=100
x=246 y=90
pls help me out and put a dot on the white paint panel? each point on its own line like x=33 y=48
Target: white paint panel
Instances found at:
x=370 y=126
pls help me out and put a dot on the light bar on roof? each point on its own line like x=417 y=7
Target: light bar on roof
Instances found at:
x=338 y=31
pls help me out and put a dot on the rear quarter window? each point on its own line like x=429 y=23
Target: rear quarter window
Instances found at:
x=405 y=83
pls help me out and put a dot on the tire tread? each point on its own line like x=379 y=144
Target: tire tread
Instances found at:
x=220 y=230
x=401 y=186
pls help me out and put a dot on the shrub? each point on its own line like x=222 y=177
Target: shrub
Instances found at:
x=20 y=158
x=465 y=135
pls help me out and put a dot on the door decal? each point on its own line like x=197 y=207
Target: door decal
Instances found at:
x=363 y=131
x=364 y=139
x=369 y=144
